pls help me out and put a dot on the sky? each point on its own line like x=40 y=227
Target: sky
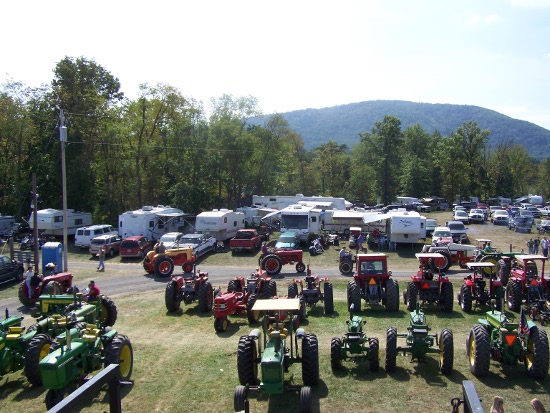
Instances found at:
x=297 y=54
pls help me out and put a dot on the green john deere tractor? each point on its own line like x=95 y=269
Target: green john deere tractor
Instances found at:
x=80 y=353
x=355 y=344
x=419 y=343
x=497 y=338
x=280 y=350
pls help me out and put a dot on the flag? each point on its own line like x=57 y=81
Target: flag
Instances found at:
x=523 y=327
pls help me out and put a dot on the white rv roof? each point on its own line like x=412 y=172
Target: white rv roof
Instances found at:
x=217 y=213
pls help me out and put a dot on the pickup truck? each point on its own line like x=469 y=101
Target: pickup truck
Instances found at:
x=200 y=243
x=246 y=239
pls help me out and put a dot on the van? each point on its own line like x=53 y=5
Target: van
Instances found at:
x=83 y=236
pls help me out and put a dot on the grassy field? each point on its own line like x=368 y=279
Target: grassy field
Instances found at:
x=181 y=364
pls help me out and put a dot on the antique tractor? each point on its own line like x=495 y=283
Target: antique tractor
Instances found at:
x=372 y=282
x=429 y=288
x=61 y=283
x=499 y=258
x=82 y=352
x=419 y=343
x=355 y=344
x=527 y=284
x=475 y=291
x=189 y=288
x=163 y=264
x=496 y=338
x=274 y=261
x=240 y=297
x=452 y=253
x=310 y=292
x=279 y=351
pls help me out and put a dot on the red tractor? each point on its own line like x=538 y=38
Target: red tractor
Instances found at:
x=274 y=261
x=372 y=282
x=163 y=264
x=475 y=291
x=527 y=283
x=61 y=283
x=189 y=288
x=453 y=254
x=427 y=287
x=240 y=297
x=310 y=292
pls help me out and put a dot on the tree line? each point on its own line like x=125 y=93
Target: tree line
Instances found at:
x=163 y=148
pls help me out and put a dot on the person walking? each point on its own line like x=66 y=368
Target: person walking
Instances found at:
x=101 y=255
x=544 y=246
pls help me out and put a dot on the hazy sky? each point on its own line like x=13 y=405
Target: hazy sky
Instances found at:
x=297 y=54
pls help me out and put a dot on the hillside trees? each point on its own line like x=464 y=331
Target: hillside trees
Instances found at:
x=332 y=166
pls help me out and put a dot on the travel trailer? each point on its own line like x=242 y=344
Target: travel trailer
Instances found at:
x=50 y=221
x=304 y=220
x=253 y=215
x=405 y=226
x=152 y=222
x=341 y=221
x=283 y=201
x=221 y=224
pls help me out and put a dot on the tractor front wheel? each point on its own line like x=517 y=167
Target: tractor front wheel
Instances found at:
x=187 y=267
x=392 y=295
x=171 y=298
x=292 y=290
x=221 y=324
x=328 y=296
x=310 y=360
x=374 y=354
x=164 y=267
x=109 y=312
x=391 y=349
x=54 y=397
x=38 y=348
x=239 y=398
x=336 y=353
x=300 y=267
x=253 y=316
x=305 y=399
x=478 y=349
x=514 y=296
x=446 y=351
x=247 y=355
x=206 y=297
x=536 y=360
x=119 y=351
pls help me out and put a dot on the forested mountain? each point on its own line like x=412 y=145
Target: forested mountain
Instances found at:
x=344 y=123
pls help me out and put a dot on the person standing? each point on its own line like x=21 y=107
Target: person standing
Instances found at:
x=536 y=243
x=498 y=405
x=101 y=255
x=537 y=406
x=360 y=241
x=28 y=279
x=530 y=245
x=544 y=246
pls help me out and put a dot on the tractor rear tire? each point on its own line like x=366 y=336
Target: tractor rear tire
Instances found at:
x=310 y=360
x=328 y=296
x=272 y=264
x=253 y=316
x=354 y=296
x=536 y=360
x=300 y=267
x=23 y=298
x=374 y=354
x=391 y=349
x=446 y=351
x=38 y=348
x=336 y=353
x=164 y=267
x=233 y=286
x=499 y=298
x=109 y=312
x=465 y=298
x=206 y=297
x=392 y=295
x=446 y=262
x=52 y=288
x=305 y=399
x=478 y=347
x=447 y=297
x=412 y=296
x=119 y=351
x=247 y=366
x=514 y=296
x=346 y=266
x=171 y=297
x=489 y=258
x=292 y=290
x=239 y=398
x=504 y=271
x=269 y=289
x=303 y=310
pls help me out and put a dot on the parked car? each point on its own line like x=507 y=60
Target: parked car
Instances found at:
x=513 y=211
x=83 y=236
x=170 y=239
x=420 y=207
x=544 y=211
x=534 y=210
x=461 y=216
x=524 y=213
x=494 y=208
x=500 y=217
x=110 y=243
x=476 y=215
x=431 y=225
x=458 y=231
x=520 y=224
x=200 y=243
x=442 y=235
x=136 y=246
x=10 y=270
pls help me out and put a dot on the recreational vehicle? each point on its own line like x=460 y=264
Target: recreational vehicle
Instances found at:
x=253 y=215
x=341 y=221
x=221 y=224
x=283 y=201
x=152 y=222
x=303 y=219
x=50 y=221
x=406 y=227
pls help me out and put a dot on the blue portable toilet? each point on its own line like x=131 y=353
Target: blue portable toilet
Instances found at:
x=52 y=252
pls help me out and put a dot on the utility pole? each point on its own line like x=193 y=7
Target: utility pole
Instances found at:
x=62 y=140
x=35 y=225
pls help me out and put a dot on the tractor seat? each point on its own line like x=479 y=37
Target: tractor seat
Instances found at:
x=271 y=332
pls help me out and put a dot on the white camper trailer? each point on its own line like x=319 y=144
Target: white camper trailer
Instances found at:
x=303 y=219
x=406 y=226
x=50 y=221
x=152 y=222
x=221 y=224
x=341 y=221
x=283 y=201
x=253 y=215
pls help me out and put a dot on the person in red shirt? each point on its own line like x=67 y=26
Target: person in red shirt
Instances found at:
x=93 y=291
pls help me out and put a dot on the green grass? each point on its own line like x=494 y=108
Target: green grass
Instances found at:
x=181 y=364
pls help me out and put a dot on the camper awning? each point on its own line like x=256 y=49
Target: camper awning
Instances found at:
x=271 y=215
x=367 y=219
